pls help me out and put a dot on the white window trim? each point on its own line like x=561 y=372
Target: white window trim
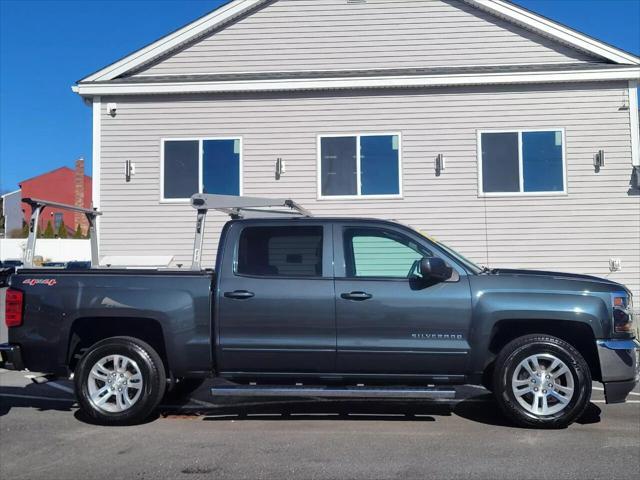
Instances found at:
x=522 y=193
x=359 y=195
x=200 y=141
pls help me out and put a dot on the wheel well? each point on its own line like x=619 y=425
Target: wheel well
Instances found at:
x=87 y=331
x=577 y=334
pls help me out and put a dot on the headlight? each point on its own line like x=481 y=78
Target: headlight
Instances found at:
x=622 y=313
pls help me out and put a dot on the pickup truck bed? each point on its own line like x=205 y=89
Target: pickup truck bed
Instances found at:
x=66 y=310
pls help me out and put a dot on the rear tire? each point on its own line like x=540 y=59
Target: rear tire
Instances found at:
x=120 y=381
x=542 y=381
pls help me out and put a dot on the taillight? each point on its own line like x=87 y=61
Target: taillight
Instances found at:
x=13 y=308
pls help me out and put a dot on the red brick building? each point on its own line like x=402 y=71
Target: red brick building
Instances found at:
x=62 y=185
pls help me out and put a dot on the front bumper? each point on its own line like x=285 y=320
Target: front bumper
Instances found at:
x=11 y=357
x=620 y=367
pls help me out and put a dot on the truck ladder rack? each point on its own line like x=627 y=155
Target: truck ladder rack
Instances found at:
x=37 y=206
x=238 y=207
x=331 y=392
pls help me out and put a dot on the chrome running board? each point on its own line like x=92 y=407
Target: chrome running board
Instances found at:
x=331 y=392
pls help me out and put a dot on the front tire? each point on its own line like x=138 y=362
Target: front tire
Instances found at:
x=120 y=381
x=542 y=381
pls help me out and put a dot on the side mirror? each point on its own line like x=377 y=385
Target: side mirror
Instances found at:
x=434 y=268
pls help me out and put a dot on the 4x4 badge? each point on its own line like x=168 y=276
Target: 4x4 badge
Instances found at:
x=49 y=282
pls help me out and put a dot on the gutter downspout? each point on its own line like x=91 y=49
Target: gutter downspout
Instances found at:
x=634 y=124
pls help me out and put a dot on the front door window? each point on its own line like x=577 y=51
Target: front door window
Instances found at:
x=378 y=253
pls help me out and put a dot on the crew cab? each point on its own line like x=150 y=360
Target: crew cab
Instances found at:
x=299 y=305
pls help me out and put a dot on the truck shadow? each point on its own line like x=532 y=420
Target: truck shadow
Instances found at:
x=479 y=408
x=484 y=409
x=32 y=396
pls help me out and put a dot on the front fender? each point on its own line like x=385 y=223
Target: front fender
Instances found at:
x=492 y=307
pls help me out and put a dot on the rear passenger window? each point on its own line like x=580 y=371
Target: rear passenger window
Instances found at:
x=293 y=251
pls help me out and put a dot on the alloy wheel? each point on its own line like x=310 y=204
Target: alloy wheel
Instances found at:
x=115 y=383
x=543 y=384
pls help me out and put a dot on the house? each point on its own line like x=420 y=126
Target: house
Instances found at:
x=63 y=185
x=12 y=214
x=502 y=133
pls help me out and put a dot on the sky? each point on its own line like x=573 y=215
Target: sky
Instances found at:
x=46 y=45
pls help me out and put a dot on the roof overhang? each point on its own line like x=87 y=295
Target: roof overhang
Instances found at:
x=554 y=30
x=8 y=194
x=215 y=19
x=357 y=82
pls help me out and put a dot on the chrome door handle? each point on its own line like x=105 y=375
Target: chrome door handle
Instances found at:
x=356 y=296
x=239 y=294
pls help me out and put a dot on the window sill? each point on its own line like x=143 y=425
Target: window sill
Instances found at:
x=523 y=194
x=360 y=197
x=175 y=201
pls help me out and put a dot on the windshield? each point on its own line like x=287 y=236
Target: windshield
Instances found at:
x=451 y=252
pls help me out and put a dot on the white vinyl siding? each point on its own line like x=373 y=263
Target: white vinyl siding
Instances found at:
x=317 y=35
x=578 y=232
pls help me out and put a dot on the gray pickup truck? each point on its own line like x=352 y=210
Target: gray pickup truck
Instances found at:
x=324 y=307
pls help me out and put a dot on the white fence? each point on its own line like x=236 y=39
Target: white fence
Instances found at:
x=50 y=249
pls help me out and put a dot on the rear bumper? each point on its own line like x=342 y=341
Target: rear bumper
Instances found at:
x=11 y=357
x=620 y=367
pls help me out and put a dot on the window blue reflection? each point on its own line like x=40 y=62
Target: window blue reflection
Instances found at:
x=379 y=172
x=221 y=166
x=542 y=161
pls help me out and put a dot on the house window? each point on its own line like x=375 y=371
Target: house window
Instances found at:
x=280 y=251
x=359 y=166
x=525 y=161
x=201 y=166
x=57 y=221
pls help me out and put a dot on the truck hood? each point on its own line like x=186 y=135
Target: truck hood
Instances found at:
x=560 y=276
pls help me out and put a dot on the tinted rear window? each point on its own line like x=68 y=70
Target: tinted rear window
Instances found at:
x=292 y=251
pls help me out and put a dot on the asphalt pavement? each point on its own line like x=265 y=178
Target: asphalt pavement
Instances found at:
x=43 y=436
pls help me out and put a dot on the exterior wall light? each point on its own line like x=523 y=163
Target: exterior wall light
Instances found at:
x=129 y=170
x=281 y=168
x=598 y=160
x=440 y=164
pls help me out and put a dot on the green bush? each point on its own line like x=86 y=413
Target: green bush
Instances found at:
x=48 y=232
x=78 y=232
x=62 y=230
